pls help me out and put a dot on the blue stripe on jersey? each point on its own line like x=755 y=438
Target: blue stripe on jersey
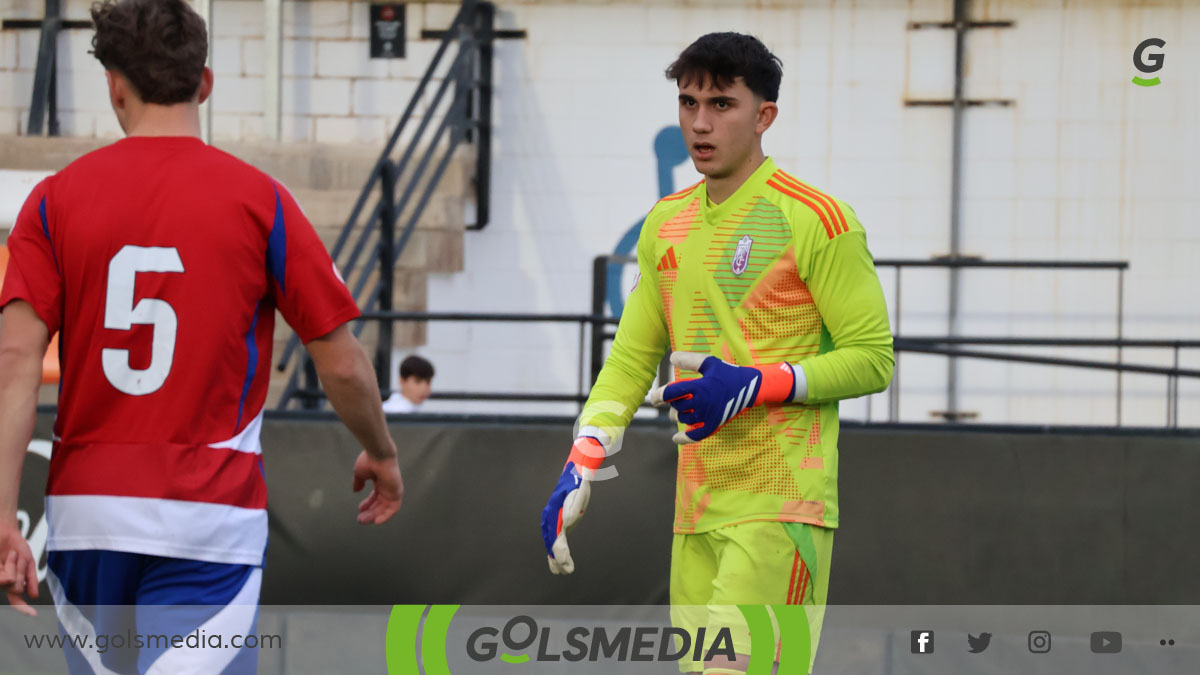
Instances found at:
x=61 y=364
x=262 y=470
x=46 y=230
x=251 y=365
x=277 y=246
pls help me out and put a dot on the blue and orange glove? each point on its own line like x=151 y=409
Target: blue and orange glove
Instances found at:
x=723 y=391
x=570 y=498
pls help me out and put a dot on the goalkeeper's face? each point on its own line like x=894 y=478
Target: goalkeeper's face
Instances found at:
x=722 y=127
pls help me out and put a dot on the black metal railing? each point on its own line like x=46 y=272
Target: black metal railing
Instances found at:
x=43 y=103
x=398 y=190
x=600 y=334
x=597 y=329
x=947 y=346
x=952 y=412
x=312 y=390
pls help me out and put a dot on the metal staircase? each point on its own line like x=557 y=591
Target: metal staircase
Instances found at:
x=402 y=184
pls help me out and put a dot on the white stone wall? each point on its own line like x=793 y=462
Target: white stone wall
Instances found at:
x=1084 y=166
x=332 y=91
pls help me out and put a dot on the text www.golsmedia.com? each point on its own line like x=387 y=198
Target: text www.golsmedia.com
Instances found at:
x=194 y=640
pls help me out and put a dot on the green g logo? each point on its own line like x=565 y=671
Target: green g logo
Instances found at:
x=1148 y=63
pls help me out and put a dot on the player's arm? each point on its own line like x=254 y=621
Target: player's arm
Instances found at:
x=23 y=341
x=30 y=312
x=633 y=359
x=628 y=372
x=348 y=379
x=349 y=383
x=840 y=274
x=315 y=302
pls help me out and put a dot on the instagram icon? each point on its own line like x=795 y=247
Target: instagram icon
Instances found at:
x=1039 y=642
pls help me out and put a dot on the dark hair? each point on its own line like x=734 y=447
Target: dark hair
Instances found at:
x=415 y=366
x=724 y=57
x=160 y=46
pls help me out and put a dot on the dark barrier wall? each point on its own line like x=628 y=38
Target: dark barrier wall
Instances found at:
x=928 y=516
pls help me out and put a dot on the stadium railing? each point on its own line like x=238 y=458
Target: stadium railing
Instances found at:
x=43 y=103
x=952 y=413
x=597 y=329
x=942 y=345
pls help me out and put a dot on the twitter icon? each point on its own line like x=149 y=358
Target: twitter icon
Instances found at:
x=978 y=644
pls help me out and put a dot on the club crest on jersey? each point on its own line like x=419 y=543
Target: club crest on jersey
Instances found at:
x=741 y=256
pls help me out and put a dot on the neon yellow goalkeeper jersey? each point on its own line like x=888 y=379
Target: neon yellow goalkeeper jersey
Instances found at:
x=777 y=272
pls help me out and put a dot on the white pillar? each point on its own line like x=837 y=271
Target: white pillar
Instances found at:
x=273 y=68
x=204 y=9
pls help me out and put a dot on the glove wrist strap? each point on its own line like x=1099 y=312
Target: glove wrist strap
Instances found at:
x=587 y=452
x=778 y=384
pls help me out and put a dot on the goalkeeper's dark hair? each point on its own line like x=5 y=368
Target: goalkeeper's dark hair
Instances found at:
x=160 y=46
x=415 y=366
x=721 y=58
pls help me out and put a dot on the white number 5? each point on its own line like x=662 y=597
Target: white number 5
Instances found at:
x=121 y=314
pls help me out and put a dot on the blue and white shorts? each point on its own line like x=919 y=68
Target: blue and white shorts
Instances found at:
x=133 y=613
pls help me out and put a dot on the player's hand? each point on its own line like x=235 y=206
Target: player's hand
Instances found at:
x=721 y=392
x=388 y=492
x=569 y=500
x=18 y=569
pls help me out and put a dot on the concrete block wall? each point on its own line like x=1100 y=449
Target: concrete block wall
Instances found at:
x=332 y=91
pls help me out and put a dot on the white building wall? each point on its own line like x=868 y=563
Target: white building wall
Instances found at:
x=332 y=92
x=1084 y=166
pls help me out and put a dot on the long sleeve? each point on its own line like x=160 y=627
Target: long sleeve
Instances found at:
x=642 y=339
x=840 y=274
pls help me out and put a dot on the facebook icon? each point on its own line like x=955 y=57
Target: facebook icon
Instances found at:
x=922 y=642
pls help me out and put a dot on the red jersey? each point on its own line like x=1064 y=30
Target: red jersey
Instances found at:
x=161 y=261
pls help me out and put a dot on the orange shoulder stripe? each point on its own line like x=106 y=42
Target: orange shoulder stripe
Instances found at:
x=834 y=210
x=682 y=193
x=807 y=202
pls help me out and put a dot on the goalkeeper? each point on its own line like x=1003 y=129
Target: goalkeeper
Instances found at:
x=764 y=290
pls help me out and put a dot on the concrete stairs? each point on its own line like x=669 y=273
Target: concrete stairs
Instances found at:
x=325 y=180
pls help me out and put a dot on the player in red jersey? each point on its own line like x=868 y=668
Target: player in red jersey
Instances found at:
x=160 y=261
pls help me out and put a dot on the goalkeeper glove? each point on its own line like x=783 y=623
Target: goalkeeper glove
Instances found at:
x=570 y=497
x=723 y=391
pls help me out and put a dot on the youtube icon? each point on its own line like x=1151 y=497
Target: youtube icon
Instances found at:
x=1106 y=642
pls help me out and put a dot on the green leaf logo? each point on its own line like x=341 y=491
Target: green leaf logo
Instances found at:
x=795 y=640
x=405 y=628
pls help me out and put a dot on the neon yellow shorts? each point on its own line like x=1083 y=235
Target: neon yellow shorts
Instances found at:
x=759 y=563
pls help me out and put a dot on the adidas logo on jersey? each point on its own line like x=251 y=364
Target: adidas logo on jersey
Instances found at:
x=668 y=261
